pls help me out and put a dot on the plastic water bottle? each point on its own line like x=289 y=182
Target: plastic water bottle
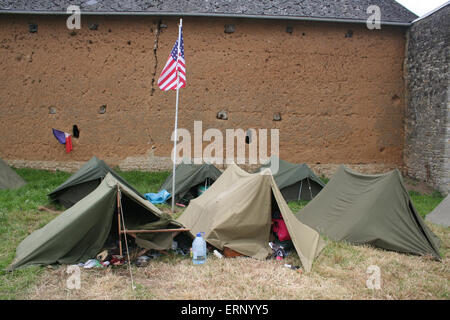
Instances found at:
x=199 y=249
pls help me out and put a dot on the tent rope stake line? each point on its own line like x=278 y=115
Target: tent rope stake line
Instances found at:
x=119 y=209
x=85 y=229
x=124 y=231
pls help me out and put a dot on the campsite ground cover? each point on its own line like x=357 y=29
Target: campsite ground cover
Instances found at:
x=338 y=273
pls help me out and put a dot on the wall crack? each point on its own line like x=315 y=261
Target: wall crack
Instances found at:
x=155 y=51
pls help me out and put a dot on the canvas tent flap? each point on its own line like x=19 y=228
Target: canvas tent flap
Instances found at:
x=157 y=241
x=291 y=177
x=307 y=242
x=236 y=212
x=80 y=232
x=370 y=209
x=9 y=179
x=84 y=181
x=441 y=214
x=229 y=219
x=188 y=176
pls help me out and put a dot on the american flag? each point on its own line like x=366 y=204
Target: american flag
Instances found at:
x=168 y=78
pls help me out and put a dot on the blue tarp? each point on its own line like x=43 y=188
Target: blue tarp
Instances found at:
x=157 y=198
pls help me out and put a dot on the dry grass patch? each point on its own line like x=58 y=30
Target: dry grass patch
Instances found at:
x=338 y=273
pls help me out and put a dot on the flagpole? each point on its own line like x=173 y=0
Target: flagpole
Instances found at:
x=176 y=120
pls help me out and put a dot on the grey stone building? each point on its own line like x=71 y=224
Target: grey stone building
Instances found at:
x=427 y=134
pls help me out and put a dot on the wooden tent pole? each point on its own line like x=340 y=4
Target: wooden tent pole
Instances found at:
x=309 y=185
x=154 y=231
x=118 y=220
x=300 y=191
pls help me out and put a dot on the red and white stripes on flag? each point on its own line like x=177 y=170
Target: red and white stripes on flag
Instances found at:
x=168 y=78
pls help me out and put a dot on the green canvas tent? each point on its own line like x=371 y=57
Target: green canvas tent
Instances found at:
x=441 y=214
x=295 y=181
x=236 y=212
x=80 y=232
x=83 y=182
x=370 y=209
x=9 y=179
x=188 y=178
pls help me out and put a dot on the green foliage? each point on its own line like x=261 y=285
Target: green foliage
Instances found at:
x=34 y=193
x=297 y=205
x=145 y=182
x=425 y=203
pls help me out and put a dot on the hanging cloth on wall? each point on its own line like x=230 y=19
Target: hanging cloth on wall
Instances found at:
x=64 y=138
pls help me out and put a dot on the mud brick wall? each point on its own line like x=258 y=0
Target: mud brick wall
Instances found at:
x=427 y=144
x=338 y=88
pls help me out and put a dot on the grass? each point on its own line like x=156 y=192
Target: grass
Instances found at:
x=18 y=218
x=144 y=182
x=338 y=273
x=423 y=202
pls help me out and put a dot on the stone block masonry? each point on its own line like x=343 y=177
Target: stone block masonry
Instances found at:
x=427 y=139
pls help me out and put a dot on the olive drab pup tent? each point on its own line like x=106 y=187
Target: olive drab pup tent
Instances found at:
x=441 y=214
x=9 y=179
x=295 y=181
x=236 y=213
x=189 y=177
x=370 y=209
x=83 y=182
x=80 y=232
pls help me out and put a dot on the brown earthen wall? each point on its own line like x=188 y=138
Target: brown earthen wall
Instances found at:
x=341 y=98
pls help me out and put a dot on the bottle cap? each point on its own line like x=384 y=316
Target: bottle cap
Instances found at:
x=199 y=234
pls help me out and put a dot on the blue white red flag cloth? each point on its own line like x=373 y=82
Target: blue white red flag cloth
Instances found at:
x=64 y=138
x=168 y=78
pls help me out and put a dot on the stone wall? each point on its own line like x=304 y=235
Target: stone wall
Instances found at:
x=427 y=142
x=337 y=89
